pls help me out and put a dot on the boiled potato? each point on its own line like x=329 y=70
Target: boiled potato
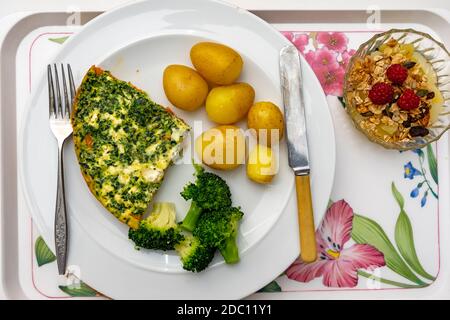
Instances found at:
x=222 y=147
x=261 y=164
x=212 y=85
x=216 y=62
x=267 y=121
x=184 y=87
x=229 y=104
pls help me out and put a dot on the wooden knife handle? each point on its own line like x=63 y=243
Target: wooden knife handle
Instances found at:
x=305 y=219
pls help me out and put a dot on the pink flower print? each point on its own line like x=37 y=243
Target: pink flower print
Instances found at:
x=331 y=79
x=310 y=57
x=301 y=41
x=345 y=57
x=337 y=265
x=289 y=35
x=336 y=41
x=322 y=58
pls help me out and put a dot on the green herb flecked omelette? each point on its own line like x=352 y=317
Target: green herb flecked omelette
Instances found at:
x=124 y=143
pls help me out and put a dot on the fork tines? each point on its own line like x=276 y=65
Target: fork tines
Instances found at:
x=59 y=108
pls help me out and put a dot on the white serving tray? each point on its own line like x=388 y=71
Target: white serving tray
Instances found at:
x=17 y=231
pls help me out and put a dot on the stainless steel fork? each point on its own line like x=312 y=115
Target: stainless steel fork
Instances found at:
x=60 y=107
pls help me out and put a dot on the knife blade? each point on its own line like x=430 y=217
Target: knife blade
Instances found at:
x=294 y=110
x=297 y=142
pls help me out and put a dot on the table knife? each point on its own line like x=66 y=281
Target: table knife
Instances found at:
x=297 y=142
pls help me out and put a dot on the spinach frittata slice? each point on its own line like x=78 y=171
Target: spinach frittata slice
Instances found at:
x=124 y=143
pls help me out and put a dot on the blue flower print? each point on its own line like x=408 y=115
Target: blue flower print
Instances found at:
x=410 y=171
x=414 y=193
x=423 y=201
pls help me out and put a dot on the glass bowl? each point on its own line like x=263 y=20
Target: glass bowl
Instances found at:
x=437 y=55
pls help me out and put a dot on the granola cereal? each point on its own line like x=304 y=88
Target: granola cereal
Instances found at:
x=394 y=92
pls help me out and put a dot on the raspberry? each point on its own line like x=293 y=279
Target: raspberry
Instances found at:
x=381 y=93
x=408 y=100
x=397 y=73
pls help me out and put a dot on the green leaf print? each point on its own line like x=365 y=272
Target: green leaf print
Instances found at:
x=432 y=164
x=341 y=100
x=367 y=231
x=398 y=196
x=60 y=40
x=43 y=254
x=82 y=290
x=404 y=239
x=271 y=287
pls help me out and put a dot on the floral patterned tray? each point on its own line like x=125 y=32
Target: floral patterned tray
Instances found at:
x=377 y=242
x=381 y=231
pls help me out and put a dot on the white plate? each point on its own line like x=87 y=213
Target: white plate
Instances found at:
x=136 y=42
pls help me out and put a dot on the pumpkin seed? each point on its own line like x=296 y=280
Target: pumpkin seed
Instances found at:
x=409 y=64
x=422 y=92
x=367 y=114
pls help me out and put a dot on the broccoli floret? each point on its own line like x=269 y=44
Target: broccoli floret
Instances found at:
x=159 y=231
x=209 y=192
x=194 y=255
x=219 y=229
